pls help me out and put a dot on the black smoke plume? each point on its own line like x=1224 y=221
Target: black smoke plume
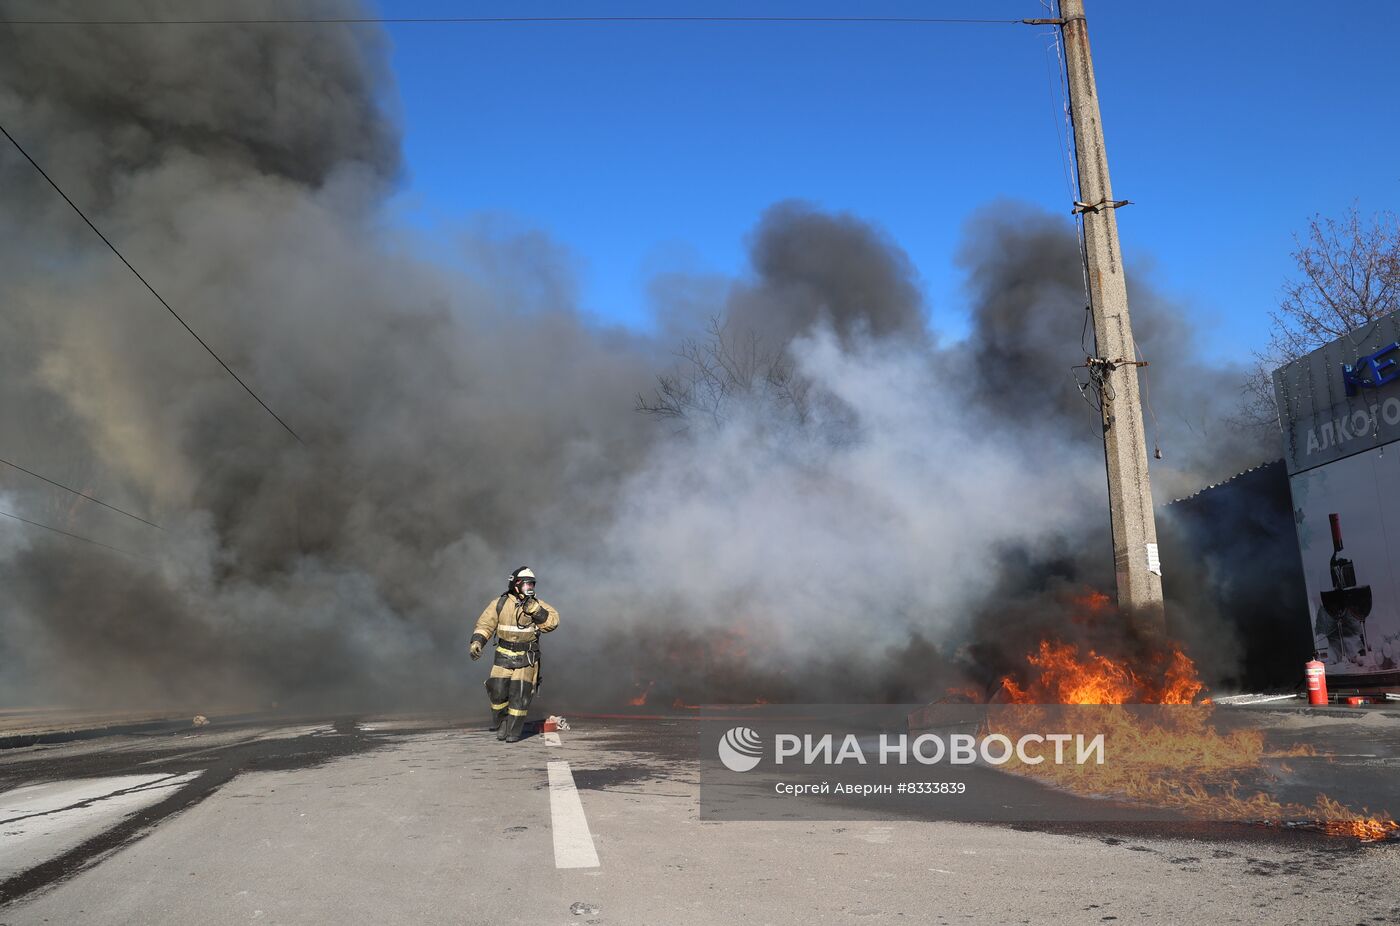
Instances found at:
x=881 y=518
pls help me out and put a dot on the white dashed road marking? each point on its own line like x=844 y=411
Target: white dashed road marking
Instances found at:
x=573 y=843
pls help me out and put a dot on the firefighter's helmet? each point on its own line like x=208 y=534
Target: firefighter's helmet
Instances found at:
x=519 y=577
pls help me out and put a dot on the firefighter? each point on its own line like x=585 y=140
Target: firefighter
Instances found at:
x=516 y=619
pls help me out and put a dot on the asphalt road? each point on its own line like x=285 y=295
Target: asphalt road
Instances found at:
x=425 y=821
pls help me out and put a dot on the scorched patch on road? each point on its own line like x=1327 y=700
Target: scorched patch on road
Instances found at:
x=214 y=766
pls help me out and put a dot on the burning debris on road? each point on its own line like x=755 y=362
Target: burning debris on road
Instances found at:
x=1184 y=755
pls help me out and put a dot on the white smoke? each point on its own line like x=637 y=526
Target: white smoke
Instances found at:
x=855 y=531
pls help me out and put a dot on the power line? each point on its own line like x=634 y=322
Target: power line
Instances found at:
x=473 y=20
x=97 y=543
x=81 y=494
x=158 y=296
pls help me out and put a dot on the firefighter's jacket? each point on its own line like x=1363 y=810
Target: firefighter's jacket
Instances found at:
x=516 y=623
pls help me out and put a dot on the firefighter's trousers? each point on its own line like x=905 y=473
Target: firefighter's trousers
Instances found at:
x=511 y=689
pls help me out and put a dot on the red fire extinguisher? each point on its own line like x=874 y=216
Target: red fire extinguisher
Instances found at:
x=1316 y=674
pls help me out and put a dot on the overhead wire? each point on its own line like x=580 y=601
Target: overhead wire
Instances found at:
x=465 y=20
x=486 y=20
x=1059 y=102
x=1069 y=161
x=80 y=494
x=1064 y=136
x=1096 y=383
x=159 y=297
x=1068 y=158
x=65 y=533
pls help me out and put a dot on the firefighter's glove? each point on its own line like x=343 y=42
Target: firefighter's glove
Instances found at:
x=475 y=649
x=540 y=616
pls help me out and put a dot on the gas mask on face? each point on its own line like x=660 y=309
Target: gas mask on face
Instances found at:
x=522 y=582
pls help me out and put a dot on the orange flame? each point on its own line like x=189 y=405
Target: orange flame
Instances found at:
x=962 y=694
x=1177 y=758
x=1368 y=829
x=1090 y=606
x=1067 y=677
x=641 y=699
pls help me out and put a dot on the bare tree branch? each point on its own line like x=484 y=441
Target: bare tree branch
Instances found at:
x=727 y=365
x=1349 y=276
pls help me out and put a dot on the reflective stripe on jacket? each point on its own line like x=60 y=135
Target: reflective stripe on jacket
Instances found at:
x=508 y=619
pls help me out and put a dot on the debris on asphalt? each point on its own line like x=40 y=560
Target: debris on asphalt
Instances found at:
x=582 y=909
x=200 y=720
x=1247 y=699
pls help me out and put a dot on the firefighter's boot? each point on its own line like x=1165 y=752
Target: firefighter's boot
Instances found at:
x=521 y=694
x=498 y=690
x=512 y=729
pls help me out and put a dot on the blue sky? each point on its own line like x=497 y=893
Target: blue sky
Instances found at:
x=643 y=148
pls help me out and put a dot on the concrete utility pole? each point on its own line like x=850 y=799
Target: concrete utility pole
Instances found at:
x=1115 y=369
